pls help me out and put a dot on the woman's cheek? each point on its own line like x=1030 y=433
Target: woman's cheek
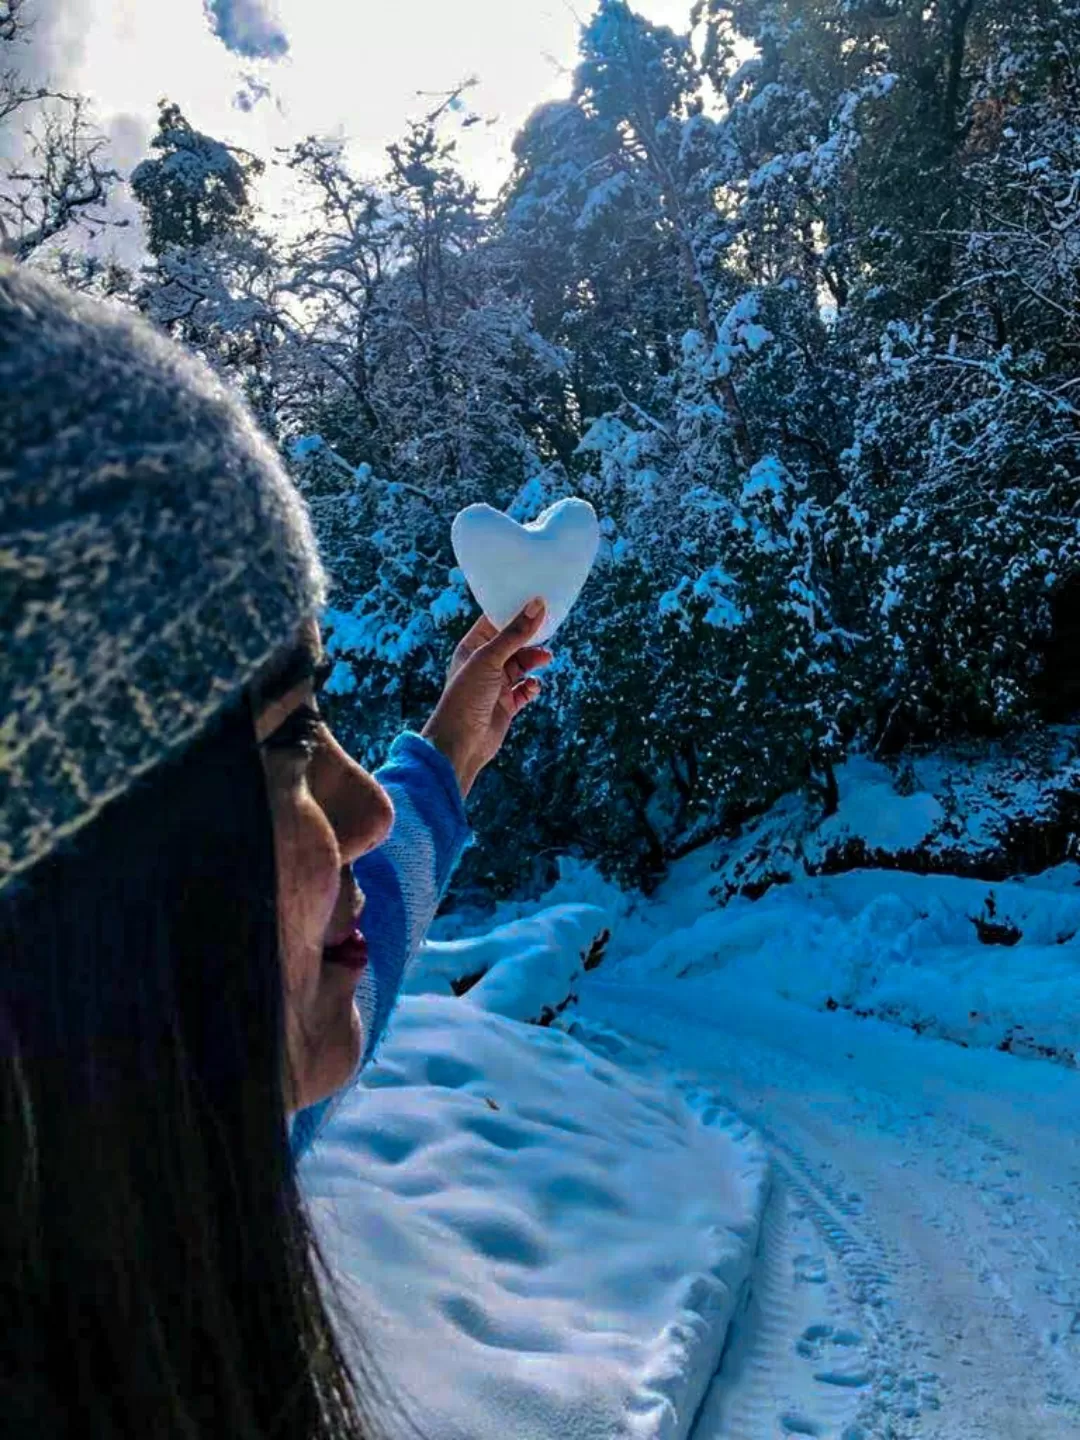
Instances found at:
x=309 y=878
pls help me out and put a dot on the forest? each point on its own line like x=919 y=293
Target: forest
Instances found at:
x=791 y=297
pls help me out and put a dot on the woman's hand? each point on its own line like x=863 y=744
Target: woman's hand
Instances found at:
x=488 y=684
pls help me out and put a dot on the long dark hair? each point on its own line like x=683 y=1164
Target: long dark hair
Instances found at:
x=158 y=1272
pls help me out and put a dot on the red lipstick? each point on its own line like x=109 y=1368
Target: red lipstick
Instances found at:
x=352 y=953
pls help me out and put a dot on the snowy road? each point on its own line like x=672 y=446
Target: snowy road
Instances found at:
x=918 y=1272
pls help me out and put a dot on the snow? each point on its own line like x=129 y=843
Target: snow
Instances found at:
x=531 y=499
x=872 y=810
x=453 y=602
x=369 y=634
x=342 y=680
x=772 y=1173
x=769 y=479
x=904 y=946
x=900 y=946
x=304 y=446
x=601 y=197
x=671 y=602
x=747 y=72
x=506 y=563
x=539 y=1243
x=610 y=437
x=958 y=808
x=739 y=334
x=521 y=968
x=919 y=1270
x=714 y=585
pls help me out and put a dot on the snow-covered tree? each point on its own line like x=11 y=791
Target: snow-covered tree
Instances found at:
x=53 y=173
x=406 y=387
x=193 y=189
x=214 y=279
x=791 y=297
x=966 y=449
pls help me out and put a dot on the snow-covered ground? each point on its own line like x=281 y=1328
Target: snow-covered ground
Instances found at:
x=572 y=1231
x=899 y=946
x=542 y=1243
x=919 y=1272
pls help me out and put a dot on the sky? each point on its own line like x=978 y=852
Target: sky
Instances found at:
x=355 y=68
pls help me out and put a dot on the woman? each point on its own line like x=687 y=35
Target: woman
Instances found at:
x=184 y=851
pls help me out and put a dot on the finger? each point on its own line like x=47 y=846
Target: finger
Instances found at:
x=515 y=635
x=529 y=691
x=513 y=700
x=478 y=636
x=532 y=657
x=480 y=633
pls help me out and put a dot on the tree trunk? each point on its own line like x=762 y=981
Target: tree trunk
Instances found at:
x=959 y=20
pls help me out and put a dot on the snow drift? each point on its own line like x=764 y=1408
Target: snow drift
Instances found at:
x=543 y=1244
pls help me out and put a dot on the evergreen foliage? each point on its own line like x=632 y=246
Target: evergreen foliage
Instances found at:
x=194 y=189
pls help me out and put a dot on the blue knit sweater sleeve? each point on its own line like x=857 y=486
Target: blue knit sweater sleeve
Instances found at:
x=403 y=882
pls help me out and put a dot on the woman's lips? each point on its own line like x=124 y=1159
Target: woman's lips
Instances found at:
x=352 y=952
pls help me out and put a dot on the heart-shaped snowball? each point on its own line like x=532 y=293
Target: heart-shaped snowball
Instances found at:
x=506 y=564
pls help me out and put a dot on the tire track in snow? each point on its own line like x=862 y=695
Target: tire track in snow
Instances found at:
x=790 y=1314
x=971 y=1248
x=1014 y=1240
x=868 y=1382
x=893 y=1390
x=971 y=1172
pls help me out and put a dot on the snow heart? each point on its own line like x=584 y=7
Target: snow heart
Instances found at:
x=506 y=564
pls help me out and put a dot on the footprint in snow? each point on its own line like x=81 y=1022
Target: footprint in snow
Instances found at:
x=815 y=1340
x=793 y=1424
x=810 y=1270
x=837 y=1357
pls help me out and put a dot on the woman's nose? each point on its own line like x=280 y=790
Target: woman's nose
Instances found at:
x=367 y=817
x=357 y=806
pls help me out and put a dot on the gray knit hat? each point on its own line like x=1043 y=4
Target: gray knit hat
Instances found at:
x=153 y=556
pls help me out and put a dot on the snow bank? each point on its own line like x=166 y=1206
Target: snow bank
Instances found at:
x=987 y=810
x=786 y=906
x=980 y=964
x=874 y=811
x=544 y=958
x=525 y=969
x=545 y=1245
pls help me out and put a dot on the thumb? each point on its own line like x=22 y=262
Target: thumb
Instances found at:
x=512 y=637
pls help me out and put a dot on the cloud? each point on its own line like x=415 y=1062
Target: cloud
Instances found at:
x=52 y=42
x=252 y=92
x=248 y=27
x=47 y=52
x=124 y=238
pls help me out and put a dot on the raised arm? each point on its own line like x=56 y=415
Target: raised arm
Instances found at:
x=428 y=777
x=407 y=876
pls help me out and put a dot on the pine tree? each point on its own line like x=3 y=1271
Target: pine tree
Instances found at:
x=214 y=278
x=195 y=189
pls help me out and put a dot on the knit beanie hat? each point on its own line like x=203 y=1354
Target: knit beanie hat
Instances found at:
x=153 y=556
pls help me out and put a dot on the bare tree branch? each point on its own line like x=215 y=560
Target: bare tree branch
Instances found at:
x=60 y=178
